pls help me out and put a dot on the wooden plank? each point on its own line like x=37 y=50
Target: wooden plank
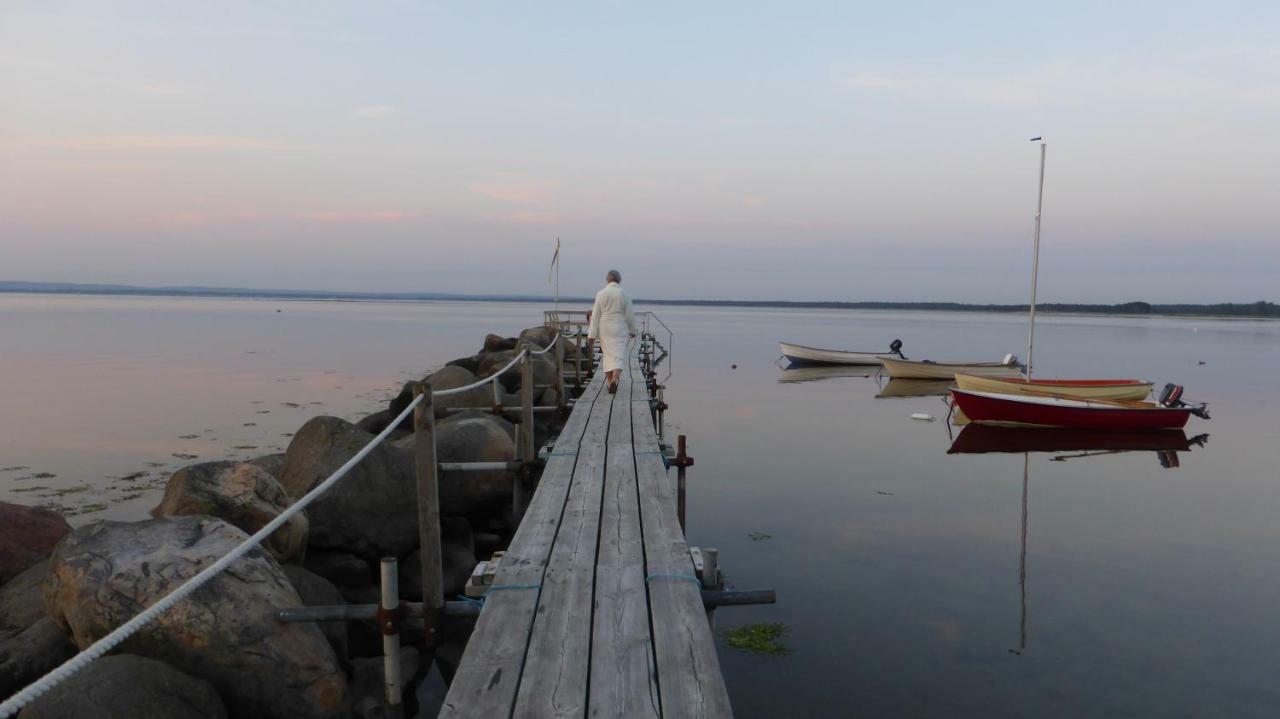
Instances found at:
x=488 y=676
x=689 y=679
x=623 y=679
x=554 y=681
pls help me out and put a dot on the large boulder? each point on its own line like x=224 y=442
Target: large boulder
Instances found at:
x=498 y=343
x=22 y=599
x=471 y=439
x=245 y=495
x=368 y=688
x=373 y=510
x=540 y=336
x=468 y=363
x=378 y=421
x=272 y=464
x=129 y=687
x=31 y=645
x=544 y=370
x=316 y=591
x=340 y=568
x=27 y=536
x=458 y=563
x=226 y=633
x=30 y=653
x=506 y=426
x=447 y=377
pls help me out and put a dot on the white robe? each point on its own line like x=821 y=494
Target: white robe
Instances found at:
x=612 y=322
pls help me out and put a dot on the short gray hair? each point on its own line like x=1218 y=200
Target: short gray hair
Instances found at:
x=614 y=276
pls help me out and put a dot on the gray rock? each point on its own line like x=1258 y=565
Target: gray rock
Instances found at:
x=506 y=426
x=378 y=421
x=468 y=363
x=470 y=439
x=491 y=363
x=226 y=633
x=272 y=464
x=29 y=654
x=27 y=536
x=367 y=683
x=458 y=562
x=447 y=377
x=245 y=495
x=540 y=336
x=129 y=687
x=22 y=599
x=498 y=343
x=373 y=510
x=457 y=530
x=342 y=569
x=316 y=591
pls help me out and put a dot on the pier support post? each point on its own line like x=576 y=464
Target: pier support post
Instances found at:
x=526 y=447
x=682 y=462
x=389 y=616
x=559 y=370
x=424 y=461
x=577 y=361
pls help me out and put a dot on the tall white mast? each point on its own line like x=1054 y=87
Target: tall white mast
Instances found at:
x=1035 y=261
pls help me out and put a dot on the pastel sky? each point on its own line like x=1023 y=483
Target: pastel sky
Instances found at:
x=828 y=150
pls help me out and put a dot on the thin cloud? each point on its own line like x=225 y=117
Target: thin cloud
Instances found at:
x=147 y=142
x=375 y=111
x=876 y=82
x=516 y=191
x=178 y=90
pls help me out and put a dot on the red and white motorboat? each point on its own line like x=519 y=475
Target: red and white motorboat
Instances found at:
x=1034 y=411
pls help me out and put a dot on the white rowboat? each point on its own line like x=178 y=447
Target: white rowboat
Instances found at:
x=801 y=355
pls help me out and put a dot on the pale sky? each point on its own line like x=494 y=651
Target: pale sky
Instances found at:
x=828 y=150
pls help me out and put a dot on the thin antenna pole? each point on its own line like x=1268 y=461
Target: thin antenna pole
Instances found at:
x=1035 y=265
x=557 y=278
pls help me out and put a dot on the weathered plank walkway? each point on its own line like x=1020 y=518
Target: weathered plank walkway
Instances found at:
x=595 y=609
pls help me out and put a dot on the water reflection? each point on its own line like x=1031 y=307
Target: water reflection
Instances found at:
x=1074 y=443
x=813 y=374
x=900 y=387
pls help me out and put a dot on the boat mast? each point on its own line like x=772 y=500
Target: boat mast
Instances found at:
x=1035 y=261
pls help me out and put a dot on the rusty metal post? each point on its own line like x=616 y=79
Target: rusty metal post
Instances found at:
x=390 y=613
x=682 y=462
x=424 y=456
x=661 y=406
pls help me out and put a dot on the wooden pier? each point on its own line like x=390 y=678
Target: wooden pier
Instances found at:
x=596 y=609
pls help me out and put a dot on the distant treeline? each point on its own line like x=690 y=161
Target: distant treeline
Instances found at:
x=1225 y=309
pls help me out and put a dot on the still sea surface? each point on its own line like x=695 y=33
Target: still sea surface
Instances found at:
x=911 y=581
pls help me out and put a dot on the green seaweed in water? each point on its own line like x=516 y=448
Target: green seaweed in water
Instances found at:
x=759 y=639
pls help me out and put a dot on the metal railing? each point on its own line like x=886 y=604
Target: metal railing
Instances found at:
x=426 y=470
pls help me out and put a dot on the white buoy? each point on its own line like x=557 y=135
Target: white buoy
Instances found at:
x=922 y=417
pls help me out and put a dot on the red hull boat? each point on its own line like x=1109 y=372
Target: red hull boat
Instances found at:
x=992 y=408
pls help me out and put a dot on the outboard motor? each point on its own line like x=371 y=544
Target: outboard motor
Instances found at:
x=896 y=348
x=1171 y=396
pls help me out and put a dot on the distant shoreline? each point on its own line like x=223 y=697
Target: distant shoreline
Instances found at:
x=1225 y=310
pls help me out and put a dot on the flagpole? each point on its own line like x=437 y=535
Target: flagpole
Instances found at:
x=557 y=277
x=1035 y=262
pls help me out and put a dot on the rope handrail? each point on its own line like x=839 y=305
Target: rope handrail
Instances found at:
x=494 y=377
x=99 y=648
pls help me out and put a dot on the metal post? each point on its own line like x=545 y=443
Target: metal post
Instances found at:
x=559 y=370
x=389 y=618
x=577 y=361
x=424 y=433
x=517 y=485
x=682 y=462
x=526 y=447
x=1035 y=264
x=662 y=409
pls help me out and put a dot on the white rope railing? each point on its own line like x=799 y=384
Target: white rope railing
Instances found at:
x=98 y=649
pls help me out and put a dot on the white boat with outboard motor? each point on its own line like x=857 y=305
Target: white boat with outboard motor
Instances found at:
x=801 y=355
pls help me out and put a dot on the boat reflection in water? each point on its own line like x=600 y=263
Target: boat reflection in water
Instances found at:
x=1066 y=444
x=820 y=372
x=1073 y=443
x=898 y=387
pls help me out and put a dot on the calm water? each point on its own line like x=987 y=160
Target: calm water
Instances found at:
x=1149 y=591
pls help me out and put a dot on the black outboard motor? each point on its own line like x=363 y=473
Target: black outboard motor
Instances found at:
x=1171 y=396
x=896 y=348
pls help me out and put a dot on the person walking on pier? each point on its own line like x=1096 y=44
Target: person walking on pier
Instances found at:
x=612 y=322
